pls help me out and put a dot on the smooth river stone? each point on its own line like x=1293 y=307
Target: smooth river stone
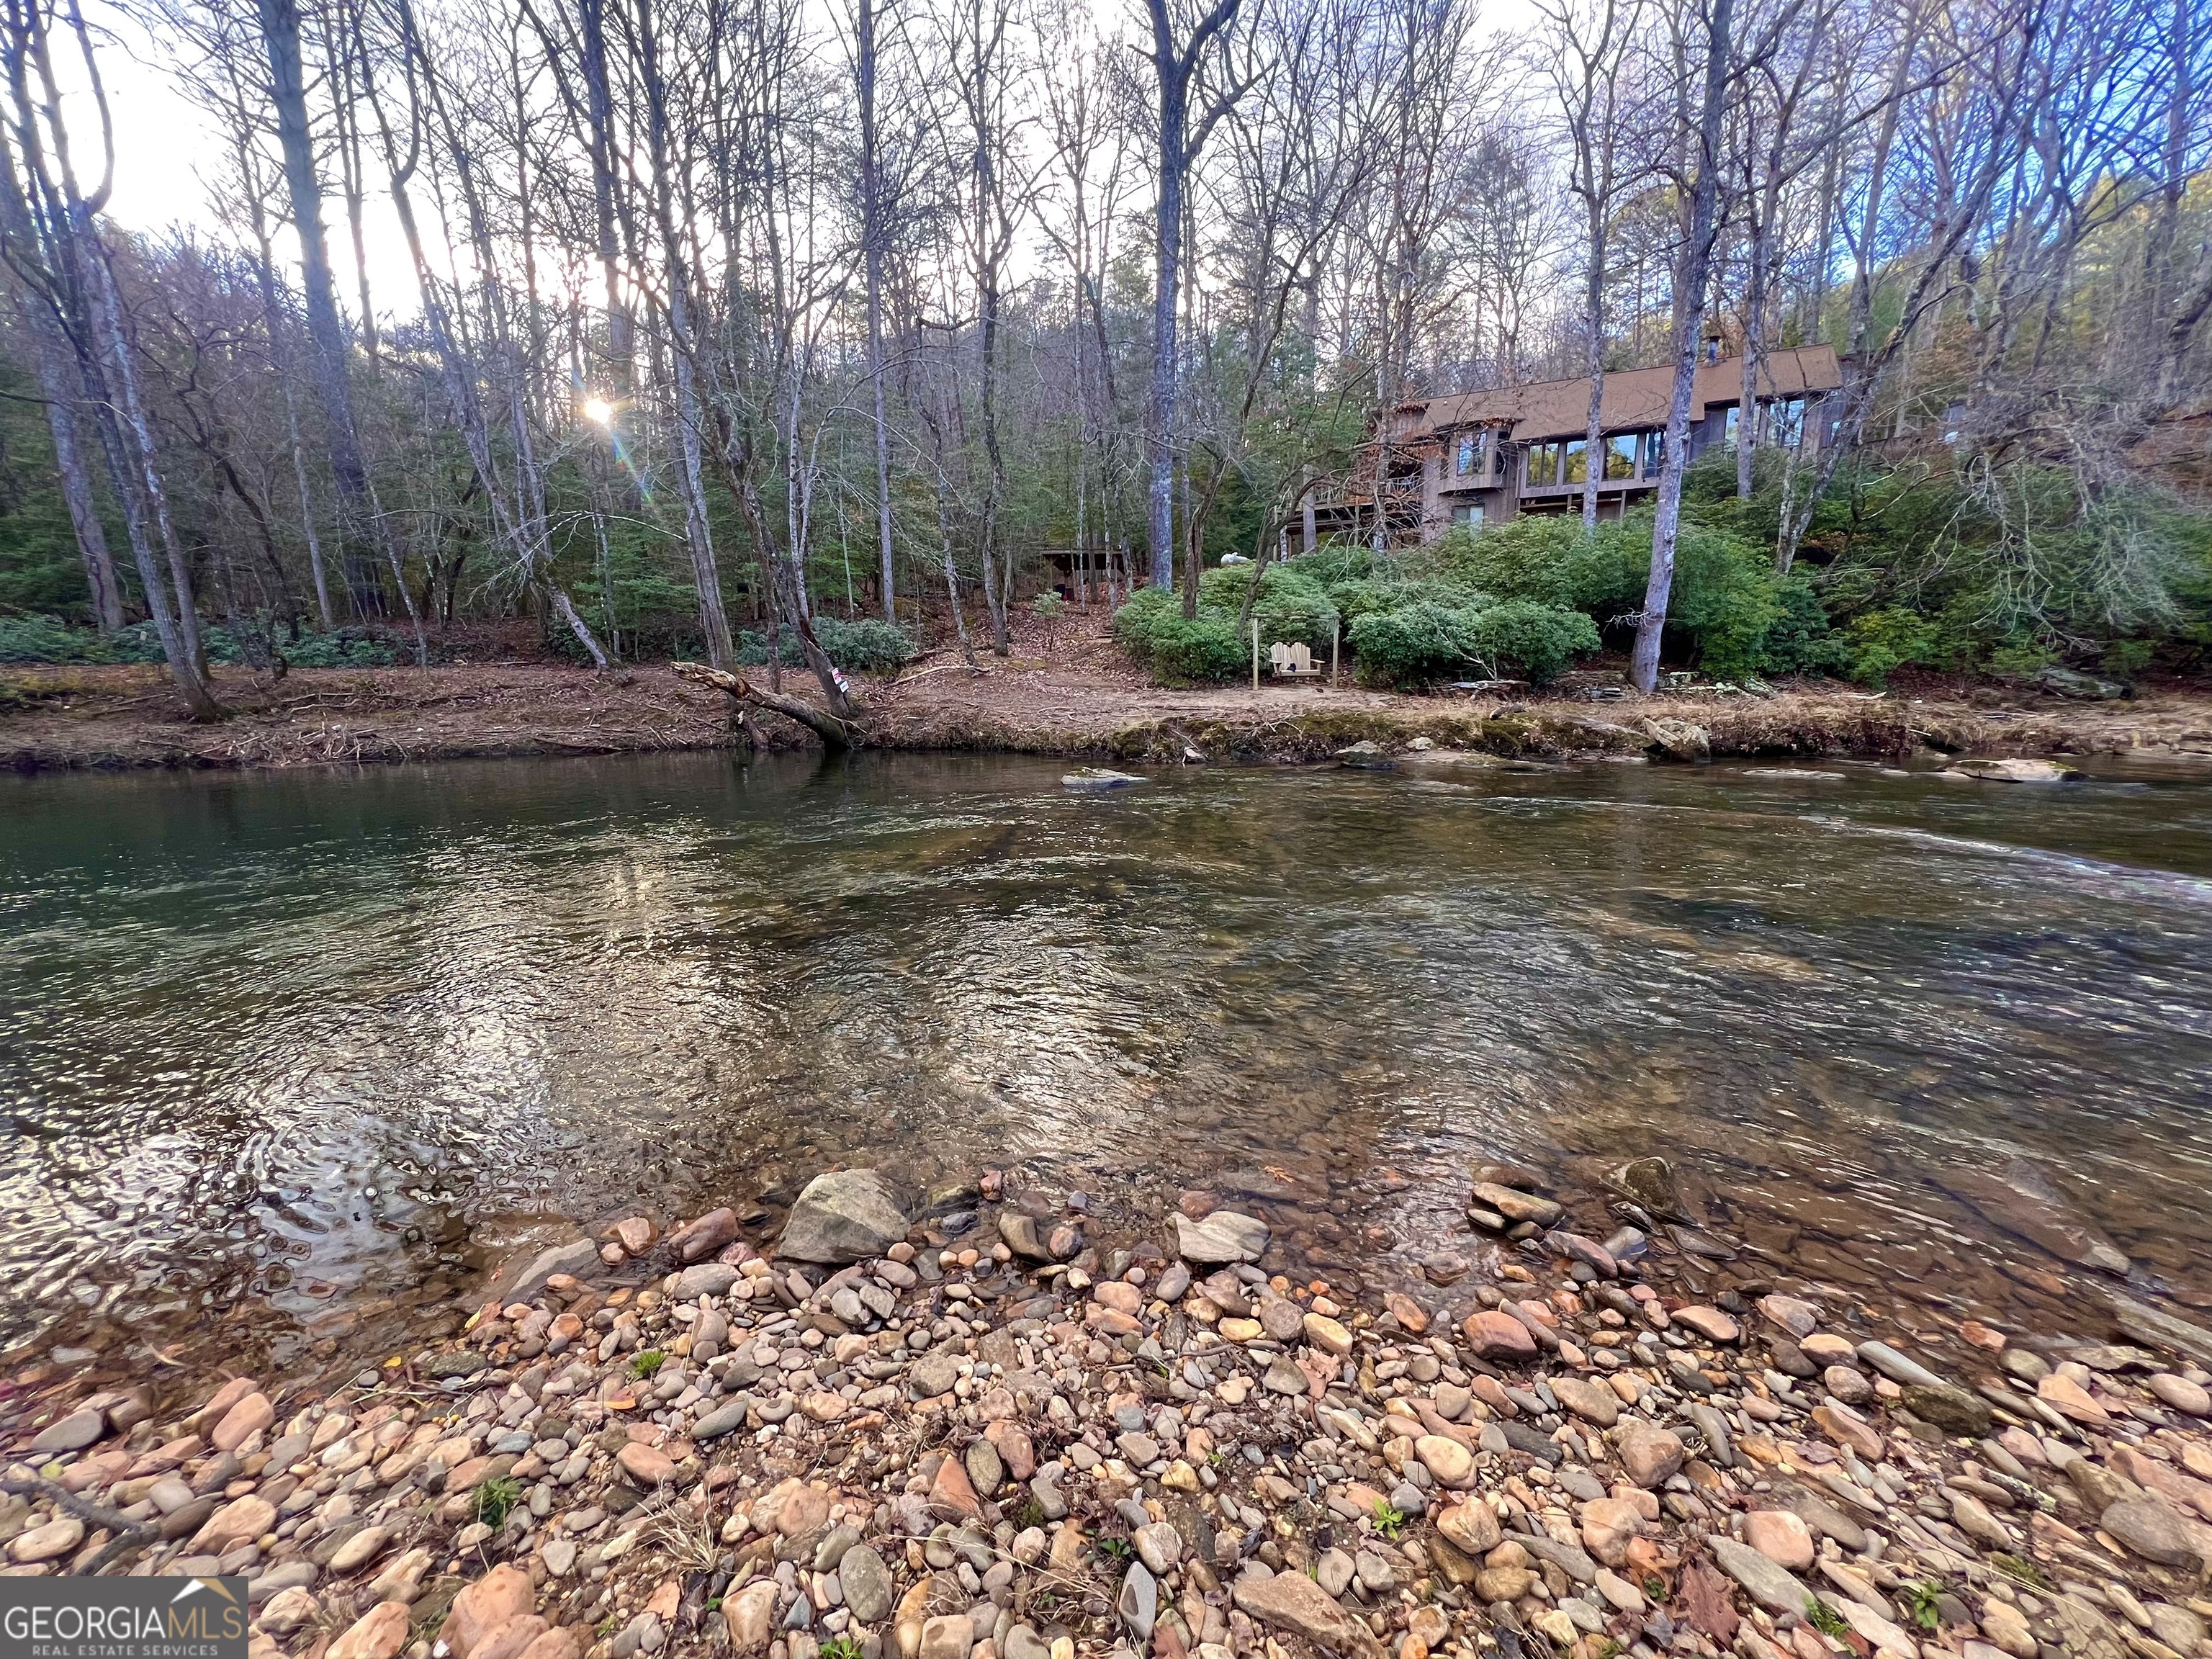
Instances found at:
x=1222 y=1236
x=56 y=1538
x=1896 y=1366
x=1451 y=1463
x=71 y=1433
x=2181 y=1394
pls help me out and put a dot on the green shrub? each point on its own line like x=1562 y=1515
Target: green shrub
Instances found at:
x=1799 y=639
x=1326 y=566
x=1883 y=642
x=1724 y=599
x=1551 y=559
x=49 y=640
x=1211 y=647
x=347 y=648
x=1291 y=606
x=1727 y=611
x=867 y=645
x=1360 y=598
x=2128 y=658
x=1224 y=586
x=2022 y=656
x=1146 y=610
x=1203 y=650
x=1534 y=641
x=1418 y=644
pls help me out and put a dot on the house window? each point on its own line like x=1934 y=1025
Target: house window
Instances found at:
x=1728 y=430
x=1577 y=460
x=1785 y=422
x=1620 y=457
x=1655 y=454
x=1543 y=463
x=1468 y=516
x=1467 y=458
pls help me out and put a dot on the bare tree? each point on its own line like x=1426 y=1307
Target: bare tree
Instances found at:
x=287 y=92
x=1588 y=69
x=53 y=243
x=1693 y=264
x=1186 y=111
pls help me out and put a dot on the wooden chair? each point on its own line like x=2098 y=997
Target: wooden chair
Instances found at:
x=1293 y=662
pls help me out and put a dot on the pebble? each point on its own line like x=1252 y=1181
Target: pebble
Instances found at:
x=1649 y=1454
x=1896 y=1366
x=1222 y=1236
x=1773 y=1586
x=1077 y=1396
x=71 y=1433
x=2181 y=1394
x=45 y=1543
x=1450 y=1461
x=1137 y=1604
x=1781 y=1537
x=2152 y=1529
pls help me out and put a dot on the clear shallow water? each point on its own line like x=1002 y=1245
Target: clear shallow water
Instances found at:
x=282 y=1055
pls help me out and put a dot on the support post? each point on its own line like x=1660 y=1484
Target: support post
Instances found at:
x=1335 y=633
x=1255 y=654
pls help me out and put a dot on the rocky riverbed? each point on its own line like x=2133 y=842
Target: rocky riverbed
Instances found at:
x=995 y=1438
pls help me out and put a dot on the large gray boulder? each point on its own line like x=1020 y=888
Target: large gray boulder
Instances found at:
x=845 y=1215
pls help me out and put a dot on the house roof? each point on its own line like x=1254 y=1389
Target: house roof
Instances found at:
x=1633 y=397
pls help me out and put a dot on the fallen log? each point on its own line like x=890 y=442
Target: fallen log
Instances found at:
x=833 y=733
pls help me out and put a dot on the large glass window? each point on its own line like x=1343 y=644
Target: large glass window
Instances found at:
x=1620 y=457
x=1728 y=432
x=1785 y=420
x=1577 y=461
x=1468 y=516
x=1544 y=462
x=1655 y=454
x=1467 y=455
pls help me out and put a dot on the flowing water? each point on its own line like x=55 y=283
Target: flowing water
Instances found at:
x=284 y=1056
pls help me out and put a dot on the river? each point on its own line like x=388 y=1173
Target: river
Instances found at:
x=285 y=1058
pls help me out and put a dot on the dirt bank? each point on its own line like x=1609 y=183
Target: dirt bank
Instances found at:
x=1077 y=698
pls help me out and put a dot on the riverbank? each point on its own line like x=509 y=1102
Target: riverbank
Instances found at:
x=1080 y=703
x=983 y=1434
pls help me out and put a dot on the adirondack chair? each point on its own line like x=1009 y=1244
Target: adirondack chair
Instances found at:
x=1293 y=662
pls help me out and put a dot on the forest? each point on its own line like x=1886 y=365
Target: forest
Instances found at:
x=751 y=330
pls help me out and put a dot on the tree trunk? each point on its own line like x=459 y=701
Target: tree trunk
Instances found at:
x=837 y=735
x=280 y=32
x=872 y=243
x=994 y=595
x=599 y=120
x=1689 y=315
x=54 y=375
x=1594 y=302
x=1174 y=74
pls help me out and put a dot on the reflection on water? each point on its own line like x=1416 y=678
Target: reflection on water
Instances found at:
x=318 y=1045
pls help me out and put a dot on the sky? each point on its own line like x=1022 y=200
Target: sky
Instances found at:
x=159 y=137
